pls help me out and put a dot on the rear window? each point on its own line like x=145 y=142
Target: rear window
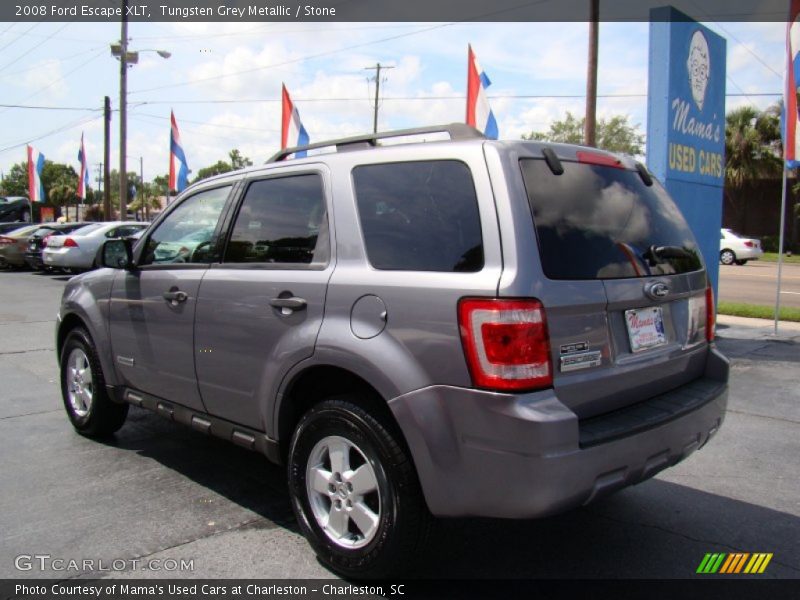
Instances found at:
x=87 y=228
x=596 y=222
x=420 y=216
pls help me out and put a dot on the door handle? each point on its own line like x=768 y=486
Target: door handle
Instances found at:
x=288 y=305
x=175 y=297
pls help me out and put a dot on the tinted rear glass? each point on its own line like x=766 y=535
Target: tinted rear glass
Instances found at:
x=596 y=222
x=420 y=216
x=87 y=229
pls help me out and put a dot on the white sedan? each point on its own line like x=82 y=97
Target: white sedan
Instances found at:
x=78 y=250
x=734 y=248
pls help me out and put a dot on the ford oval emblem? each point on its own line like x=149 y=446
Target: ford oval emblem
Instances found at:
x=657 y=290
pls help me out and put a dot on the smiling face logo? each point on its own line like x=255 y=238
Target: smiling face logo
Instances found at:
x=698 y=66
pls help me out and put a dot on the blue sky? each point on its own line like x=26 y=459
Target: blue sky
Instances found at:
x=223 y=81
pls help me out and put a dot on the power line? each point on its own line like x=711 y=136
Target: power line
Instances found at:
x=290 y=62
x=68 y=126
x=23 y=33
x=425 y=98
x=27 y=52
x=33 y=107
x=65 y=59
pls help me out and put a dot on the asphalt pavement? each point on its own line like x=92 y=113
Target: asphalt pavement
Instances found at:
x=756 y=283
x=161 y=492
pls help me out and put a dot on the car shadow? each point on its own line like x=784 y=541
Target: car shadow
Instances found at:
x=778 y=350
x=656 y=529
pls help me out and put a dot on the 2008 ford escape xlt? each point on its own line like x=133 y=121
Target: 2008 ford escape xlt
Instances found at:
x=460 y=327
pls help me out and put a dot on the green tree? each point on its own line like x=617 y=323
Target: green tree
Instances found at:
x=237 y=161
x=752 y=145
x=54 y=177
x=614 y=134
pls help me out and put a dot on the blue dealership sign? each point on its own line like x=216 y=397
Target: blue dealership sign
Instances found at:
x=686 y=122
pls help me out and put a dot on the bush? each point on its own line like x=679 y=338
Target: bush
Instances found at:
x=769 y=243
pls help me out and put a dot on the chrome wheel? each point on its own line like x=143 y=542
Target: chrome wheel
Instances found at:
x=80 y=384
x=727 y=257
x=343 y=492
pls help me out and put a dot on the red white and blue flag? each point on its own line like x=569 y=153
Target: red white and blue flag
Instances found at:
x=479 y=113
x=292 y=131
x=35 y=166
x=83 y=179
x=790 y=116
x=178 y=167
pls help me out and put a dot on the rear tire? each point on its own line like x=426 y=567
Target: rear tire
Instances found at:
x=83 y=388
x=727 y=257
x=355 y=492
x=741 y=263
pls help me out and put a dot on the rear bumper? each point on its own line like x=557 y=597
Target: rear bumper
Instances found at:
x=63 y=257
x=517 y=456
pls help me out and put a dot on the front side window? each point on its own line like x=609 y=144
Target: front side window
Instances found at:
x=186 y=235
x=420 y=216
x=282 y=221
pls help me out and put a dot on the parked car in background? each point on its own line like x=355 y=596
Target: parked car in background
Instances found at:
x=38 y=240
x=77 y=251
x=737 y=249
x=13 y=226
x=13 y=245
x=15 y=208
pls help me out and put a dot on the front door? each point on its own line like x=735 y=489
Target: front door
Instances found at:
x=153 y=307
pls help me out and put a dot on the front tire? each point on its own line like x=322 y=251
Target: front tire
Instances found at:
x=727 y=257
x=83 y=388
x=355 y=492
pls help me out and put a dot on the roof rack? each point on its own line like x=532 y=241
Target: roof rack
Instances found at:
x=457 y=131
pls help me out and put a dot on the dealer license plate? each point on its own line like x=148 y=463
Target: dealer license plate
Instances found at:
x=645 y=328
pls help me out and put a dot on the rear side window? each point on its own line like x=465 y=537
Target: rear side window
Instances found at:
x=420 y=216
x=282 y=220
x=597 y=222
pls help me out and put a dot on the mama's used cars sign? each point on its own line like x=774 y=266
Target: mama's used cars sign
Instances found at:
x=687 y=98
x=686 y=121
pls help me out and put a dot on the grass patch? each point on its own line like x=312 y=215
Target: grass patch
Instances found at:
x=794 y=259
x=757 y=311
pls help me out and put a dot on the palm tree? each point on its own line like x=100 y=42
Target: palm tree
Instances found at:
x=752 y=150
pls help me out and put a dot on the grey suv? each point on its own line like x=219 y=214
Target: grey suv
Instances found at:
x=459 y=327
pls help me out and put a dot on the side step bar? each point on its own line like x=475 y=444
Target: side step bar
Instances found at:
x=204 y=423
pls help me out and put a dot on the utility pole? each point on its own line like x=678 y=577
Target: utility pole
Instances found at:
x=590 y=122
x=106 y=159
x=377 y=68
x=142 y=198
x=123 y=114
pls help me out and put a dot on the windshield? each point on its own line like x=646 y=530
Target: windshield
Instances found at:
x=598 y=222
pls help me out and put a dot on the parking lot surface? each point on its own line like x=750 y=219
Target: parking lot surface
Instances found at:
x=159 y=496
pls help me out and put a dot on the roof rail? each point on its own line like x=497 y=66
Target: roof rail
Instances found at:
x=457 y=131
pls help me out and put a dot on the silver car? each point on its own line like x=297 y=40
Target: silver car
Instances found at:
x=452 y=328
x=78 y=250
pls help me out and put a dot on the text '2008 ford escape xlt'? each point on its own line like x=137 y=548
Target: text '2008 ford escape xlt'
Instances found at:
x=451 y=328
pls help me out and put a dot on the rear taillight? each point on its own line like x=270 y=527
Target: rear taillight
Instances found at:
x=5 y=241
x=44 y=240
x=506 y=343
x=749 y=244
x=70 y=243
x=710 y=315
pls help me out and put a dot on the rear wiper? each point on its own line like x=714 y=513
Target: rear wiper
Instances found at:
x=655 y=253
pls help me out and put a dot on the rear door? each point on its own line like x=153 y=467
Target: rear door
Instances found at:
x=259 y=310
x=605 y=236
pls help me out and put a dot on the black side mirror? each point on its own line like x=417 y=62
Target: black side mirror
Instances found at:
x=117 y=254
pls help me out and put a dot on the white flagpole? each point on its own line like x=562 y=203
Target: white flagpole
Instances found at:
x=780 y=249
